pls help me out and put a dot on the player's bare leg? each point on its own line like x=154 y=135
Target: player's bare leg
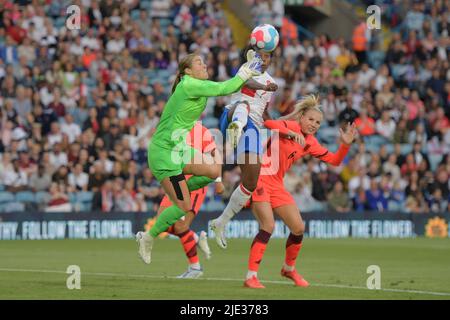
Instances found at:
x=292 y=218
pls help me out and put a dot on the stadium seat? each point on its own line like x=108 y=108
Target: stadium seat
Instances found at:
x=164 y=73
x=434 y=160
x=328 y=135
x=145 y=4
x=389 y=148
x=406 y=148
x=149 y=73
x=85 y=206
x=90 y=82
x=134 y=14
x=375 y=141
x=42 y=197
x=14 y=207
x=72 y=197
x=25 y=196
x=6 y=196
x=85 y=196
x=375 y=58
x=164 y=23
x=60 y=22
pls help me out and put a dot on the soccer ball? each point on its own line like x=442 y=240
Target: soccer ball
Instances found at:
x=265 y=37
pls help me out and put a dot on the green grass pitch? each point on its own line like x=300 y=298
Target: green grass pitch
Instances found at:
x=336 y=269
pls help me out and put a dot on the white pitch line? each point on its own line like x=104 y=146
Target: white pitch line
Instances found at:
x=102 y=274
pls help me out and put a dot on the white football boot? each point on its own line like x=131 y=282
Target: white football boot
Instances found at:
x=145 y=244
x=191 y=273
x=219 y=233
x=203 y=244
x=234 y=133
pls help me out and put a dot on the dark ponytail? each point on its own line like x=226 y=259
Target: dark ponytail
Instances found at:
x=186 y=62
x=177 y=80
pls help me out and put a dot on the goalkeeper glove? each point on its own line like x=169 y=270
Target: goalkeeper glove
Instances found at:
x=251 y=68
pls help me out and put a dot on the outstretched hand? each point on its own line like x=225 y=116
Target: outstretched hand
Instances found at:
x=252 y=67
x=250 y=55
x=271 y=87
x=350 y=133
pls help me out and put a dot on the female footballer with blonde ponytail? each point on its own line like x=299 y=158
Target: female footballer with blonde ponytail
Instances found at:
x=296 y=139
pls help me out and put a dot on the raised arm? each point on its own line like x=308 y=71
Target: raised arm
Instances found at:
x=255 y=85
x=320 y=152
x=196 y=88
x=347 y=136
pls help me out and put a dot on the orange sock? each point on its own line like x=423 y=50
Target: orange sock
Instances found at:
x=293 y=246
x=257 y=249
x=187 y=239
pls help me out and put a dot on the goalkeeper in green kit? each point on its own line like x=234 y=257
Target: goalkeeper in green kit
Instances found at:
x=169 y=157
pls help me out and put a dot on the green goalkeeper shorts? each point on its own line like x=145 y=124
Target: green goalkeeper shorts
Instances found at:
x=166 y=163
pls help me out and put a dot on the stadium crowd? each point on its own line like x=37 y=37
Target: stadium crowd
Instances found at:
x=78 y=107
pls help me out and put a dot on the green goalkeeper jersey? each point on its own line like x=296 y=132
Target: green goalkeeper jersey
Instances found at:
x=167 y=151
x=185 y=107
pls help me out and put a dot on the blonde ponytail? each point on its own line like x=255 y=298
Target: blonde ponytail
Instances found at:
x=310 y=102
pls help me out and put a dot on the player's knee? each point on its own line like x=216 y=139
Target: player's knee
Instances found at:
x=184 y=205
x=268 y=226
x=180 y=226
x=299 y=229
x=216 y=171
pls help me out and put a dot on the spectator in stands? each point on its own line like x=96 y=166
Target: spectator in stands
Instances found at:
x=436 y=202
x=397 y=197
x=40 y=180
x=365 y=75
x=61 y=176
x=348 y=115
x=338 y=199
x=376 y=200
x=96 y=177
x=365 y=124
x=15 y=179
x=330 y=109
x=385 y=126
x=77 y=179
x=286 y=102
x=59 y=201
x=360 y=200
x=321 y=185
x=442 y=182
x=415 y=203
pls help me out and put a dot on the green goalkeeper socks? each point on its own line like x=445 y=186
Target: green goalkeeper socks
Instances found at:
x=167 y=218
x=198 y=182
x=170 y=215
